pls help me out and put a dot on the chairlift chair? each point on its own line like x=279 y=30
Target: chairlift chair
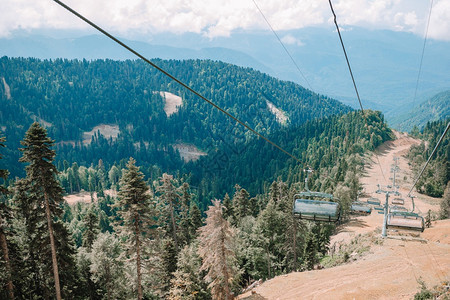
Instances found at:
x=405 y=220
x=400 y=201
x=397 y=208
x=307 y=207
x=360 y=208
x=373 y=201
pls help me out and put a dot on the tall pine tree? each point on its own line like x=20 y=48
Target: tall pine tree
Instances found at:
x=42 y=185
x=216 y=250
x=4 y=216
x=136 y=215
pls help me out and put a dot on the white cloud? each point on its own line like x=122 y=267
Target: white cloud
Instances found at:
x=220 y=17
x=291 y=40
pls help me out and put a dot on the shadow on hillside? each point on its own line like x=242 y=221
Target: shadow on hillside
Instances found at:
x=352 y=223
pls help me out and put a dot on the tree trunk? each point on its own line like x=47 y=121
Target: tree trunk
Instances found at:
x=138 y=260
x=225 y=271
x=174 y=227
x=4 y=246
x=52 y=244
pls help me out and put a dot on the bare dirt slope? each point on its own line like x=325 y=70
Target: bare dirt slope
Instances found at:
x=392 y=269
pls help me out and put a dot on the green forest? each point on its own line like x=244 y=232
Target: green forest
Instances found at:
x=437 y=175
x=157 y=227
x=72 y=96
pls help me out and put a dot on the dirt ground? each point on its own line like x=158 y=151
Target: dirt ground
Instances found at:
x=392 y=269
x=86 y=197
x=172 y=103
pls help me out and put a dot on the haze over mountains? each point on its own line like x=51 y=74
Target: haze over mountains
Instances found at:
x=385 y=63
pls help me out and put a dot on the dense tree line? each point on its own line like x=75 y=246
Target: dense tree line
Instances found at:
x=74 y=96
x=149 y=242
x=436 y=177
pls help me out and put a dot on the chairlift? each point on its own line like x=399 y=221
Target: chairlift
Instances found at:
x=405 y=220
x=306 y=206
x=360 y=208
x=315 y=206
x=397 y=208
x=400 y=201
x=379 y=208
x=373 y=201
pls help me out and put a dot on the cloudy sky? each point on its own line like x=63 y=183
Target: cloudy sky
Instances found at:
x=213 y=18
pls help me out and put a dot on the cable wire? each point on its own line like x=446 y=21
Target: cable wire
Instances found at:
x=429 y=158
x=353 y=80
x=174 y=78
x=282 y=44
x=423 y=51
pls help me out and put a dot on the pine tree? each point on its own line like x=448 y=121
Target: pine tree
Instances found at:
x=228 y=212
x=188 y=283
x=195 y=220
x=42 y=184
x=241 y=203
x=169 y=265
x=4 y=224
x=107 y=267
x=91 y=224
x=169 y=197
x=185 y=224
x=136 y=215
x=216 y=250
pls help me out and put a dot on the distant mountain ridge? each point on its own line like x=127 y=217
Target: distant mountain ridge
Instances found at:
x=99 y=47
x=385 y=63
x=434 y=109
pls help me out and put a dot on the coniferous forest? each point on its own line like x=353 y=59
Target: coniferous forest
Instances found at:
x=158 y=227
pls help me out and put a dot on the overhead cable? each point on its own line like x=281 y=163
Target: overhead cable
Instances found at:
x=423 y=51
x=282 y=44
x=353 y=79
x=175 y=79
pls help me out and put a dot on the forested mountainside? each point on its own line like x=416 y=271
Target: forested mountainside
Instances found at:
x=150 y=240
x=74 y=97
x=324 y=145
x=144 y=235
x=434 y=109
x=437 y=175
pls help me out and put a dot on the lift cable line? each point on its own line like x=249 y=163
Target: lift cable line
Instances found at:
x=423 y=51
x=353 y=79
x=346 y=58
x=175 y=79
x=429 y=158
x=282 y=44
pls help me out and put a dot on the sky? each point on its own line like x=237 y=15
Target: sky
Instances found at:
x=220 y=18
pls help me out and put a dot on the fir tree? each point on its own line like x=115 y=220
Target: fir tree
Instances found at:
x=5 y=219
x=188 y=283
x=136 y=215
x=107 y=267
x=169 y=197
x=216 y=250
x=195 y=220
x=42 y=185
x=91 y=224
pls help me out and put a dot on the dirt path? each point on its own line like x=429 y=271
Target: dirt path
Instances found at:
x=391 y=270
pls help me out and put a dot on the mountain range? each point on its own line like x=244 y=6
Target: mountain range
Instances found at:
x=385 y=63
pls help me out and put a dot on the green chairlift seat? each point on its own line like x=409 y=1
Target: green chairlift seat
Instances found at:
x=379 y=208
x=405 y=220
x=316 y=210
x=373 y=201
x=360 y=208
